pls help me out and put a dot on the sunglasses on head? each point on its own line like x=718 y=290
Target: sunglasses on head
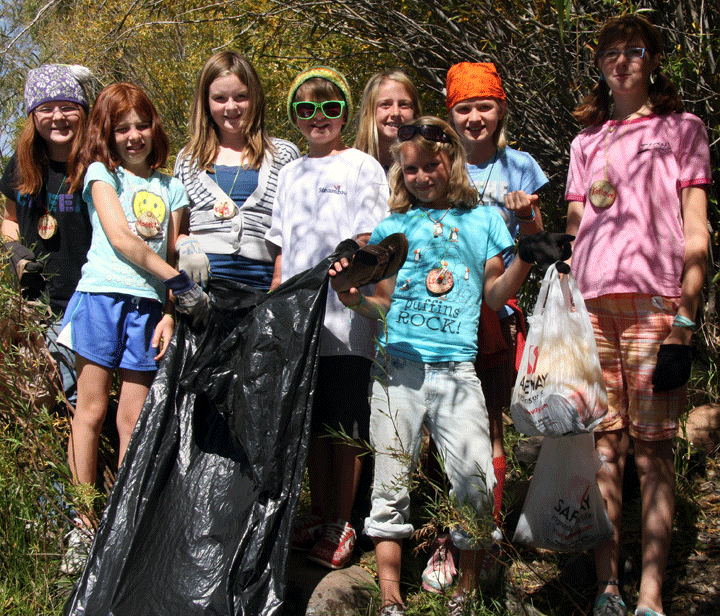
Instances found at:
x=426 y=131
x=306 y=110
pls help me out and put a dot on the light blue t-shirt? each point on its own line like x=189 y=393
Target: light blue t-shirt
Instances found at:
x=422 y=325
x=509 y=170
x=106 y=270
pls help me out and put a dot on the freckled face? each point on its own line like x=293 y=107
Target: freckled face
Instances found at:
x=426 y=175
x=133 y=142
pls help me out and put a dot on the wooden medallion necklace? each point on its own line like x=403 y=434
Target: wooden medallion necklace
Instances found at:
x=602 y=193
x=48 y=224
x=440 y=279
x=225 y=209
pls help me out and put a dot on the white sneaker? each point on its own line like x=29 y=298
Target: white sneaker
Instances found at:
x=79 y=539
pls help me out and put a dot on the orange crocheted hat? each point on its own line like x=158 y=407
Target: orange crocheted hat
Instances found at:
x=473 y=80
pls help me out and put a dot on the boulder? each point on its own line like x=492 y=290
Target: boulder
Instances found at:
x=702 y=427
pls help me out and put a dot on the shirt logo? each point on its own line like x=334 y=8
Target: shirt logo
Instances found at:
x=660 y=146
x=334 y=190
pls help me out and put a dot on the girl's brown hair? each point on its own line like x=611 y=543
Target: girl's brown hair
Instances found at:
x=461 y=192
x=663 y=95
x=111 y=105
x=367 y=139
x=204 y=141
x=33 y=157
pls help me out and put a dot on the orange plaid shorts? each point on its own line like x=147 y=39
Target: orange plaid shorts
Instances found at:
x=629 y=329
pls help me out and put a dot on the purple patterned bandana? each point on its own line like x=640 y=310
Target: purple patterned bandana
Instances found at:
x=53 y=82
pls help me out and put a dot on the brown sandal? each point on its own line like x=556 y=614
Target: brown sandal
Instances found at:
x=373 y=263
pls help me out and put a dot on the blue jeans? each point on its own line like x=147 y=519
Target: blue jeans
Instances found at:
x=447 y=398
x=65 y=360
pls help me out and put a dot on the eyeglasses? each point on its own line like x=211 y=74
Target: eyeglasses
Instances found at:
x=427 y=131
x=632 y=53
x=46 y=111
x=306 y=110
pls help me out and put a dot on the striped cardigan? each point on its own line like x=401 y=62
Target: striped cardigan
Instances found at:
x=244 y=234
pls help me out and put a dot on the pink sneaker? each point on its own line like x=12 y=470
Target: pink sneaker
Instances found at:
x=440 y=570
x=307 y=531
x=336 y=546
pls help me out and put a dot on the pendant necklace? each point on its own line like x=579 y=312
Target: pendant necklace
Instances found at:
x=48 y=224
x=602 y=193
x=440 y=279
x=147 y=224
x=225 y=209
x=487 y=179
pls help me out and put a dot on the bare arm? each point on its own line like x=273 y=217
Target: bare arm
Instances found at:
x=501 y=284
x=122 y=239
x=277 y=272
x=694 y=207
x=525 y=205
x=10 y=230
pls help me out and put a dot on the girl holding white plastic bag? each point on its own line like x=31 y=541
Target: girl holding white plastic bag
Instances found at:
x=638 y=206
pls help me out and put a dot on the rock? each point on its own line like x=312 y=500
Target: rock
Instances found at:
x=702 y=427
x=528 y=450
x=314 y=590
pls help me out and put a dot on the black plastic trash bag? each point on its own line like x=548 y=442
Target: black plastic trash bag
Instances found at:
x=200 y=518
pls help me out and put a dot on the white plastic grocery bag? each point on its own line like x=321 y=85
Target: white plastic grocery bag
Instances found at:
x=559 y=388
x=564 y=510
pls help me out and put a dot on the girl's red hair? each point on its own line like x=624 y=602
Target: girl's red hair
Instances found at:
x=114 y=102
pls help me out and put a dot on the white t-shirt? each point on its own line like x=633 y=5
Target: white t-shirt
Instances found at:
x=320 y=202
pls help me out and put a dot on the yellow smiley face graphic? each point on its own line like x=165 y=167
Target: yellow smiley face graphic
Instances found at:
x=145 y=201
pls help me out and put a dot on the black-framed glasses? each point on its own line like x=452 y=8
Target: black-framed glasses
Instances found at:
x=426 y=131
x=306 y=110
x=631 y=53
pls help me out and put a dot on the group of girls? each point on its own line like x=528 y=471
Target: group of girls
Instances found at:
x=637 y=203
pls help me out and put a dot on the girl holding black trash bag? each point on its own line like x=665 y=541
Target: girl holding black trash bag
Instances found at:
x=229 y=169
x=638 y=205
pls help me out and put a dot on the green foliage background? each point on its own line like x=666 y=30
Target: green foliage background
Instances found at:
x=543 y=51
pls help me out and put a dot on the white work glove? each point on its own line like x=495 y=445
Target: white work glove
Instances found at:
x=193 y=260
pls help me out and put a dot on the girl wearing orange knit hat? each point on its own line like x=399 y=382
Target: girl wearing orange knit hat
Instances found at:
x=510 y=181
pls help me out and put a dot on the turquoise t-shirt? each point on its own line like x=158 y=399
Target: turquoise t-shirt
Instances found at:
x=426 y=326
x=106 y=270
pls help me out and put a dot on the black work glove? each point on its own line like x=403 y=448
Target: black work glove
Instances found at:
x=25 y=266
x=673 y=367
x=545 y=248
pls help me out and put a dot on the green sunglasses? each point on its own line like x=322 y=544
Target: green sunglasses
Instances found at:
x=306 y=110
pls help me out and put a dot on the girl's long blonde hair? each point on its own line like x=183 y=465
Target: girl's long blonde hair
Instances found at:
x=204 y=143
x=461 y=192
x=367 y=139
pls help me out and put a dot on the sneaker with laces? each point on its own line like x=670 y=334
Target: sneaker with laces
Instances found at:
x=336 y=546
x=646 y=611
x=440 y=570
x=608 y=604
x=307 y=531
x=490 y=568
x=79 y=539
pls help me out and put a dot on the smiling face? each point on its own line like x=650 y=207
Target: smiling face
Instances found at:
x=228 y=102
x=628 y=76
x=426 y=175
x=476 y=120
x=322 y=133
x=57 y=122
x=133 y=142
x=394 y=108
